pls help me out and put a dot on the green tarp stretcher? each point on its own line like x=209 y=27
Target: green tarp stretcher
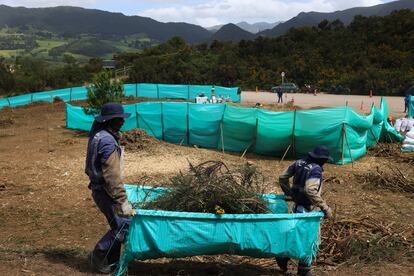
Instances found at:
x=158 y=234
x=220 y=126
x=145 y=90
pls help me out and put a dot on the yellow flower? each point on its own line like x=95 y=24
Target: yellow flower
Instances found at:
x=219 y=210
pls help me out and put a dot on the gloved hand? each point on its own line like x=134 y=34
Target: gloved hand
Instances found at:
x=126 y=210
x=328 y=213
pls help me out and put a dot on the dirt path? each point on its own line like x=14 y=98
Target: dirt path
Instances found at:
x=395 y=104
x=49 y=222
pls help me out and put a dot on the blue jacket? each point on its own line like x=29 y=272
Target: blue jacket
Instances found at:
x=101 y=145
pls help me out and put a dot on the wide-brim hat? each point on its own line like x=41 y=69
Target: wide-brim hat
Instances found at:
x=110 y=111
x=321 y=152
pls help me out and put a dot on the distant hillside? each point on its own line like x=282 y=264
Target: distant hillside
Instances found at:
x=346 y=16
x=252 y=28
x=231 y=32
x=90 y=47
x=72 y=21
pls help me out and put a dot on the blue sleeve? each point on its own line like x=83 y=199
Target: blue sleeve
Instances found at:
x=292 y=169
x=105 y=148
x=316 y=172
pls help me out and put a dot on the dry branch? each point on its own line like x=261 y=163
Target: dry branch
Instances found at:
x=211 y=187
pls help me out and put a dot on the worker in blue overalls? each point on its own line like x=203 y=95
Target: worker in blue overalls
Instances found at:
x=306 y=192
x=103 y=166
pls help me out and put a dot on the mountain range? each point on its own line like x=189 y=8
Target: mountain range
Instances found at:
x=73 y=21
x=346 y=16
x=251 y=28
x=53 y=32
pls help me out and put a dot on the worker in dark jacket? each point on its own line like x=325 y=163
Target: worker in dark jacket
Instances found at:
x=306 y=192
x=103 y=166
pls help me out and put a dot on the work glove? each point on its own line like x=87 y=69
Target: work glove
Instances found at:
x=328 y=213
x=125 y=210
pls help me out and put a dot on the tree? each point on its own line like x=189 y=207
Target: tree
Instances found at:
x=103 y=90
x=6 y=79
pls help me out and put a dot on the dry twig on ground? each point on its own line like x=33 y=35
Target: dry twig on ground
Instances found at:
x=391 y=150
x=364 y=240
x=392 y=179
x=211 y=187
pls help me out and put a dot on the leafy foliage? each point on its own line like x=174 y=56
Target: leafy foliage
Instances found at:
x=103 y=90
x=370 y=53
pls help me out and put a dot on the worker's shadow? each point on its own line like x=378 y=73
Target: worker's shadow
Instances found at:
x=72 y=258
x=79 y=261
x=184 y=267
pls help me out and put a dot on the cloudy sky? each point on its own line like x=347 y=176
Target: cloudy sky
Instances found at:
x=206 y=12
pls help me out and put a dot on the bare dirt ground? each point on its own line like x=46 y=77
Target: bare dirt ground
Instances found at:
x=395 y=104
x=48 y=221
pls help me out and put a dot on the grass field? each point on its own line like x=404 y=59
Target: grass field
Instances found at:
x=44 y=45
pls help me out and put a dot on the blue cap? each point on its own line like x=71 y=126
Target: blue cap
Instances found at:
x=321 y=152
x=110 y=111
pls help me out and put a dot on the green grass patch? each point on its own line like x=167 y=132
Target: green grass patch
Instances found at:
x=10 y=53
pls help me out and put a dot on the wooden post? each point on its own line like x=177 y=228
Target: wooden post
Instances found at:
x=222 y=136
x=293 y=134
x=373 y=134
x=343 y=135
x=150 y=128
x=162 y=122
x=253 y=142
x=255 y=132
x=188 y=124
x=221 y=129
x=136 y=115
x=349 y=148
x=284 y=155
x=343 y=142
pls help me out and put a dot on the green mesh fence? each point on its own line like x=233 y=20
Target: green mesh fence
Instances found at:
x=219 y=126
x=156 y=234
x=156 y=91
x=411 y=107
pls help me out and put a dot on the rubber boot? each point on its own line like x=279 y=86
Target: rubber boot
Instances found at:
x=283 y=264
x=304 y=271
x=99 y=262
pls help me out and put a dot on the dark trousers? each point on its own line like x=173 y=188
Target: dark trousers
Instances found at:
x=280 y=98
x=303 y=267
x=109 y=246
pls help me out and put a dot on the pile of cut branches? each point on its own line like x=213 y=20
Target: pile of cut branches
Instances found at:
x=211 y=187
x=392 y=151
x=364 y=240
x=392 y=179
x=385 y=150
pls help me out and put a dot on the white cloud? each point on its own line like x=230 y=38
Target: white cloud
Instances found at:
x=46 y=3
x=214 y=12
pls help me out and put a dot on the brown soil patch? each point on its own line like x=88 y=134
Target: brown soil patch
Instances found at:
x=49 y=222
x=138 y=139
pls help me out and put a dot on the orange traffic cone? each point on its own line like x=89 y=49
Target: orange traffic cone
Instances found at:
x=370 y=93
